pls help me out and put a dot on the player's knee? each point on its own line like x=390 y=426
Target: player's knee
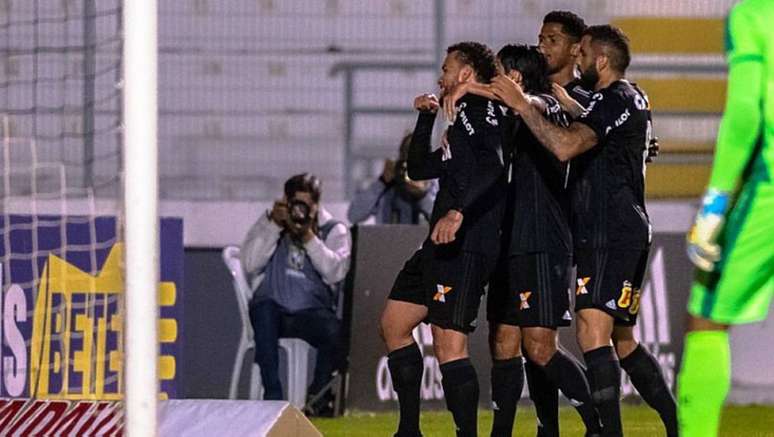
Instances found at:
x=624 y=347
x=504 y=342
x=539 y=350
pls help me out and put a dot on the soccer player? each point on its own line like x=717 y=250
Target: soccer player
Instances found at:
x=533 y=300
x=442 y=283
x=610 y=226
x=732 y=240
x=560 y=42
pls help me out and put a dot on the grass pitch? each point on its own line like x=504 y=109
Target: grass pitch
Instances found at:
x=638 y=420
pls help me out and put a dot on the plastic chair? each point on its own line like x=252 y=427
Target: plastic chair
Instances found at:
x=298 y=351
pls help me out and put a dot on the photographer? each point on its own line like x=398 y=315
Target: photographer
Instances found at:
x=296 y=256
x=394 y=198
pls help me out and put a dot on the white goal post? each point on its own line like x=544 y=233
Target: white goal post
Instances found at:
x=140 y=151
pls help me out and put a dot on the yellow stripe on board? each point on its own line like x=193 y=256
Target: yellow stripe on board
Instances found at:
x=685 y=94
x=666 y=146
x=657 y=35
x=676 y=180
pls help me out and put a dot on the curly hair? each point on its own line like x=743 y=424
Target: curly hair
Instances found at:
x=572 y=24
x=478 y=56
x=616 y=45
x=528 y=61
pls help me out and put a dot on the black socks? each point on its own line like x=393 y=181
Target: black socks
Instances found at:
x=568 y=375
x=604 y=375
x=507 y=384
x=646 y=376
x=460 y=386
x=406 y=368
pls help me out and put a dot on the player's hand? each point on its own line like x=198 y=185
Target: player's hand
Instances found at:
x=510 y=93
x=446 y=228
x=280 y=213
x=427 y=103
x=564 y=98
x=450 y=100
x=703 y=249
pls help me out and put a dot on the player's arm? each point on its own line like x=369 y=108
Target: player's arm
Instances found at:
x=459 y=90
x=740 y=129
x=422 y=162
x=564 y=143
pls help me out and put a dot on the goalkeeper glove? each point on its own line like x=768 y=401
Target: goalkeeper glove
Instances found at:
x=703 y=249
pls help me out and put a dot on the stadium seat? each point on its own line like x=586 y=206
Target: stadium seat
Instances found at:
x=299 y=353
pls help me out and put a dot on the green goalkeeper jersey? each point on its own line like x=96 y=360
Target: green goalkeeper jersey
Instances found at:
x=747 y=130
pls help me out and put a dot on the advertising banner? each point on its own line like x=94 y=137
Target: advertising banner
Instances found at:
x=380 y=254
x=61 y=312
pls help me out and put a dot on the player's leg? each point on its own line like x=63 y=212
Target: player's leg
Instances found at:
x=646 y=376
x=460 y=381
x=403 y=312
x=739 y=291
x=542 y=311
x=641 y=366
x=507 y=373
x=563 y=371
x=452 y=311
x=594 y=332
x=507 y=377
x=545 y=396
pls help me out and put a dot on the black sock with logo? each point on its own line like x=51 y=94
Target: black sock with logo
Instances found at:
x=567 y=373
x=604 y=374
x=507 y=384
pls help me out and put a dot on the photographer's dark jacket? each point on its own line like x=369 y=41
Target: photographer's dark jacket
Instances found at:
x=297 y=277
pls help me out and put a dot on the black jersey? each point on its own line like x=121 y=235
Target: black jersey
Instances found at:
x=470 y=171
x=608 y=196
x=538 y=200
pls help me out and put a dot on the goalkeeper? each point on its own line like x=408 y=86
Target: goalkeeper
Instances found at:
x=732 y=241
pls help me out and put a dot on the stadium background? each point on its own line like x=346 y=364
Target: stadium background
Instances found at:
x=251 y=91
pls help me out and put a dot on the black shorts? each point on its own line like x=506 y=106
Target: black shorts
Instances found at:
x=449 y=283
x=536 y=292
x=610 y=280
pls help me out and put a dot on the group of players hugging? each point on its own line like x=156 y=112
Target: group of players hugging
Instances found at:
x=541 y=175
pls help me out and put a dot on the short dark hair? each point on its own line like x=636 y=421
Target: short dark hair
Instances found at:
x=478 y=56
x=304 y=183
x=572 y=24
x=615 y=41
x=528 y=61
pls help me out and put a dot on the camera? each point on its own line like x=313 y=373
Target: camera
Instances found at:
x=299 y=212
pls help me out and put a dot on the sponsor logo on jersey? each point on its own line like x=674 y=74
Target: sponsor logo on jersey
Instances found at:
x=625 y=299
x=464 y=119
x=524 y=296
x=491 y=118
x=582 y=283
x=441 y=292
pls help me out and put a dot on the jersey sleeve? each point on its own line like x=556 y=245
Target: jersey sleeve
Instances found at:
x=606 y=111
x=741 y=125
x=422 y=162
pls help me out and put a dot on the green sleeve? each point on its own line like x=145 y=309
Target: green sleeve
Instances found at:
x=741 y=126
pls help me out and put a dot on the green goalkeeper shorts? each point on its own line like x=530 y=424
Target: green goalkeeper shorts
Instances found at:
x=741 y=287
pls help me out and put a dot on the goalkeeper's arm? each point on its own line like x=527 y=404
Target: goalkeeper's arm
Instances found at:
x=738 y=135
